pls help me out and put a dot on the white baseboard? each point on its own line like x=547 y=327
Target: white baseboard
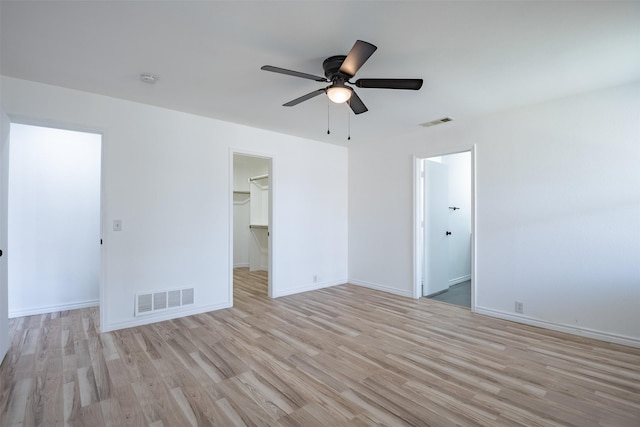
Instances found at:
x=459 y=280
x=307 y=288
x=383 y=288
x=53 y=308
x=174 y=314
x=241 y=265
x=573 y=330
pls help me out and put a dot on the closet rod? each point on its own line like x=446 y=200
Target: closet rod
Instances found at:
x=255 y=178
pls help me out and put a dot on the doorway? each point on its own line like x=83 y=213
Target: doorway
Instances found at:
x=54 y=220
x=445 y=209
x=252 y=211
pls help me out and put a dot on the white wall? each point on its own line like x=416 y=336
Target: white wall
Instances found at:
x=167 y=176
x=558 y=208
x=459 y=220
x=54 y=220
x=4 y=182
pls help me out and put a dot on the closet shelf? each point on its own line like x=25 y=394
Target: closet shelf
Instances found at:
x=258 y=226
x=259 y=177
x=241 y=192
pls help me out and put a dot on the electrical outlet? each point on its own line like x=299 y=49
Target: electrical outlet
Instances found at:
x=519 y=307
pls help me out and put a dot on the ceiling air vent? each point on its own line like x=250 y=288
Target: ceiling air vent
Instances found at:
x=436 y=122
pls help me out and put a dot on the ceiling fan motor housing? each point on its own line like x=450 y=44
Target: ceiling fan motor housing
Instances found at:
x=331 y=68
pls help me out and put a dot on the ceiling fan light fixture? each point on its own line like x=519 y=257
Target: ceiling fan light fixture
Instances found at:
x=339 y=94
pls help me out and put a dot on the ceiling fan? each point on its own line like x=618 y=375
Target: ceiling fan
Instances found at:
x=338 y=70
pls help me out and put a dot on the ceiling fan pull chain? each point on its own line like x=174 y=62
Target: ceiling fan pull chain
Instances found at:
x=349 y=123
x=328 y=123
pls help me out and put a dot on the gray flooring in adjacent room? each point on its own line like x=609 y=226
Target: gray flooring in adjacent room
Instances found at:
x=459 y=294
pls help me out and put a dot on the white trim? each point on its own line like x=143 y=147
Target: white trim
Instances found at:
x=146 y=320
x=311 y=287
x=104 y=258
x=417 y=230
x=573 y=330
x=460 y=279
x=474 y=227
x=383 y=288
x=54 y=308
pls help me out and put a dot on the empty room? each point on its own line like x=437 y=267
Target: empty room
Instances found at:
x=279 y=206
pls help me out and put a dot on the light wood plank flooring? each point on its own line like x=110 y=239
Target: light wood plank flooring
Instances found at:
x=339 y=356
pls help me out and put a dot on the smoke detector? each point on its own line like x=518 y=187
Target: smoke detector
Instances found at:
x=148 y=78
x=436 y=122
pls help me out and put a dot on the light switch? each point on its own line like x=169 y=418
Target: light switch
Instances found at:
x=117 y=225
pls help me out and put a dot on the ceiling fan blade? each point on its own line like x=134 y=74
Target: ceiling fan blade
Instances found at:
x=358 y=55
x=293 y=73
x=356 y=104
x=303 y=98
x=410 y=84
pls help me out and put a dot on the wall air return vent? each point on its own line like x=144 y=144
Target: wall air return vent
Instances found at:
x=174 y=298
x=187 y=296
x=436 y=122
x=159 y=301
x=162 y=300
x=144 y=304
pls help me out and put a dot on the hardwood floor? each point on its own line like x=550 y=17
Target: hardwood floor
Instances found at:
x=339 y=356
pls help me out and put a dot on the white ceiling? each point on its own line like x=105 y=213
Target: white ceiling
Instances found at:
x=474 y=56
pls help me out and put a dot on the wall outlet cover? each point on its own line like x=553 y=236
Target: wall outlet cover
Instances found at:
x=519 y=307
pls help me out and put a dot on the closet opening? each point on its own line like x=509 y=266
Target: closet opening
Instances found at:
x=251 y=241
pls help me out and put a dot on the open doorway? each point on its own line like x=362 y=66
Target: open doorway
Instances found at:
x=251 y=225
x=445 y=208
x=54 y=217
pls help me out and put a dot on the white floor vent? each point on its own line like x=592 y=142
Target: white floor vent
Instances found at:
x=157 y=301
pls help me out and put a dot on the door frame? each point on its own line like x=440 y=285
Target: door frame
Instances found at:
x=418 y=240
x=271 y=232
x=75 y=127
